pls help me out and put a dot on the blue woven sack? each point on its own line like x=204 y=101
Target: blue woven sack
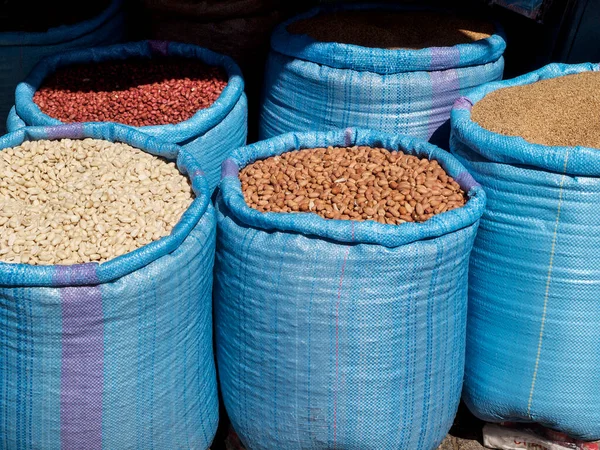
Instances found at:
x=115 y=355
x=20 y=51
x=312 y=85
x=533 y=350
x=210 y=135
x=337 y=333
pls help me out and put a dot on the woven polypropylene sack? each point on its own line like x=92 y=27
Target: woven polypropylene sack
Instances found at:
x=20 y=51
x=340 y=334
x=210 y=135
x=312 y=85
x=115 y=355
x=533 y=347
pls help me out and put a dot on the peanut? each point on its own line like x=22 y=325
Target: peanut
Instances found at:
x=357 y=183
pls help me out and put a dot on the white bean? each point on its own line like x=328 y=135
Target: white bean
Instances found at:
x=76 y=201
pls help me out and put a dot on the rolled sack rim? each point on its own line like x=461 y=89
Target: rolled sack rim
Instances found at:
x=62 y=33
x=350 y=231
x=15 y=275
x=13 y=121
x=582 y=161
x=384 y=61
x=201 y=122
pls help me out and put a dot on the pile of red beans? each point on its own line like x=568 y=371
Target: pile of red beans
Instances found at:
x=136 y=92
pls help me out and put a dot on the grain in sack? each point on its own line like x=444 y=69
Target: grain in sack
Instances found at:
x=77 y=201
x=358 y=183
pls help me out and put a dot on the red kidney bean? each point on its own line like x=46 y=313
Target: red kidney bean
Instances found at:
x=135 y=92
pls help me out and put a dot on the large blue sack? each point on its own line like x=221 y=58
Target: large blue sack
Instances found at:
x=115 y=355
x=20 y=51
x=533 y=349
x=337 y=333
x=210 y=135
x=312 y=85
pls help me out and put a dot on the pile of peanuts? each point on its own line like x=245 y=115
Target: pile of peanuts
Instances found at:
x=40 y=16
x=78 y=201
x=136 y=92
x=358 y=183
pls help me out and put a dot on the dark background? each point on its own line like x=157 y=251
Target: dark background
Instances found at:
x=567 y=31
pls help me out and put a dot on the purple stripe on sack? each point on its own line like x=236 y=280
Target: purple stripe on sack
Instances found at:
x=466 y=181
x=159 y=47
x=348 y=137
x=82 y=359
x=229 y=168
x=463 y=103
x=445 y=86
x=444 y=57
x=68 y=131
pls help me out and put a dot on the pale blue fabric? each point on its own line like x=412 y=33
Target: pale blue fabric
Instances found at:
x=210 y=135
x=533 y=349
x=20 y=51
x=116 y=355
x=312 y=85
x=341 y=334
x=13 y=121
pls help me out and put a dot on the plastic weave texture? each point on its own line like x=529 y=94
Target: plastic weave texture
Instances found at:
x=312 y=85
x=533 y=349
x=20 y=51
x=210 y=135
x=116 y=355
x=340 y=334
